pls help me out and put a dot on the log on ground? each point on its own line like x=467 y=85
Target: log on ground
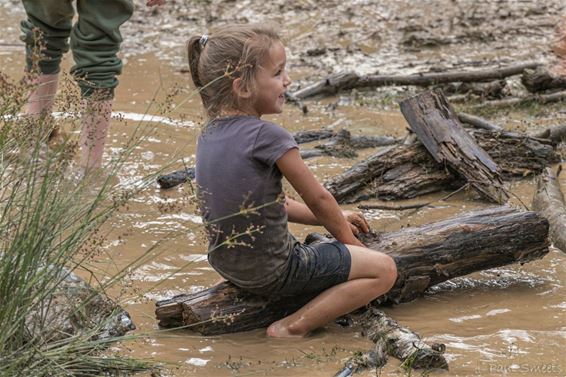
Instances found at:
x=425 y=256
x=549 y=201
x=541 y=79
x=433 y=120
x=350 y=80
x=407 y=171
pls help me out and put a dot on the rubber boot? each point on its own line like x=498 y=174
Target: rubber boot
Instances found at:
x=95 y=120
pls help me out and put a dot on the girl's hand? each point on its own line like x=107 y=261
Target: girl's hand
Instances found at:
x=356 y=221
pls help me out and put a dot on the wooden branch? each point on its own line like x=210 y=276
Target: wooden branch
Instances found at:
x=401 y=342
x=478 y=122
x=435 y=123
x=425 y=256
x=407 y=171
x=549 y=201
x=541 y=79
x=538 y=98
x=350 y=80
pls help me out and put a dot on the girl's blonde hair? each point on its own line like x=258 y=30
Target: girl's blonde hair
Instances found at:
x=216 y=60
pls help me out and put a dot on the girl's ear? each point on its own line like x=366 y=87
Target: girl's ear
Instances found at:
x=240 y=89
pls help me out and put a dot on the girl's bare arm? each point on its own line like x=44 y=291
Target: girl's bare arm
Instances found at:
x=318 y=200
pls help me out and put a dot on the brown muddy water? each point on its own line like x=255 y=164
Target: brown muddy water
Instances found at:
x=508 y=321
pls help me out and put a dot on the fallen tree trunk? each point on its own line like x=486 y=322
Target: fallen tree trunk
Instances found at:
x=433 y=120
x=541 y=79
x=549 y=201
x=350 y=80
x=407 y=171
x=425 y=256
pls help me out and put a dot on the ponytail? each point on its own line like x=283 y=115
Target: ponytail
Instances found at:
x=194 y=51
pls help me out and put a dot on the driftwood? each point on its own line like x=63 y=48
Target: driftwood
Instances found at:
x=478 y=122
x=407 y=171
x=350 y=80
x=401 y=342
x=343 y=144
x=487 y=90
x=538 y=98
x=433 y=120
x=392 y=339
x=541 y=79
x=549 y=201
x=425 y=256
x=555 y=134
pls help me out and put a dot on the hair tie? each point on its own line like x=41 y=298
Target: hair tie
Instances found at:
x=203 y=40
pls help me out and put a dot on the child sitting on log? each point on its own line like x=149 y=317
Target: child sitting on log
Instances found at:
x=241 y=159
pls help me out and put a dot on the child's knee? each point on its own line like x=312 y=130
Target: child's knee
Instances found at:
x=390 y=271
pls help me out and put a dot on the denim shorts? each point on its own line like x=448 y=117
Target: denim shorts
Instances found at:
x=311 y=269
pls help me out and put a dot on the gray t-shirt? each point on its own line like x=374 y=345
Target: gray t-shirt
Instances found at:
x=235 y=170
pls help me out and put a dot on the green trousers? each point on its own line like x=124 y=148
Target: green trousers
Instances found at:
x=94 y=39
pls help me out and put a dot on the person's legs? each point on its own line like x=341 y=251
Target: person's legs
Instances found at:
x=46 y=32
x=95 y=119
x=95 y=42
x=372 y=274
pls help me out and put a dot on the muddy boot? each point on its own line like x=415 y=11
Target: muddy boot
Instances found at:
x=40 y=101
x=95 y=119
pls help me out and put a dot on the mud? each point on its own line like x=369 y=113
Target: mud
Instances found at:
x=509 y=321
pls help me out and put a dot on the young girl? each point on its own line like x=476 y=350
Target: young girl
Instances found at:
x=241 y=159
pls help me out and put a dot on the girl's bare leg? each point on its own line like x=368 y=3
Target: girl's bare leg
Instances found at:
x=372 y=274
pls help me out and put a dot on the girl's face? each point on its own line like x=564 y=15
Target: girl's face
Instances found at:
x=271 y=83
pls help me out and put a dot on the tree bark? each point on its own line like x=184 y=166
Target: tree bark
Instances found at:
x=549 y=201
x=407 y=171
x=350 y=80
x=425 y=256
x=433 y=120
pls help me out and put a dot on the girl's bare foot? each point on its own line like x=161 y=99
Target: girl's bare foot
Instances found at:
x=279 y=330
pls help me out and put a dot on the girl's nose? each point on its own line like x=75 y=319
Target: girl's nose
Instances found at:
x=286 y=80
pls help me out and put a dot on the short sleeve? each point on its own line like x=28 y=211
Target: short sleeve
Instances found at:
x=271 y=143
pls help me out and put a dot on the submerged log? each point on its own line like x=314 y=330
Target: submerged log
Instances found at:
x=344 y=145
x=489 y=90
x=549 y=201
x=350 y=80
x=425 y=256
x=401 y=342
x=433 y=120
x=176 y=178
x=407 y=171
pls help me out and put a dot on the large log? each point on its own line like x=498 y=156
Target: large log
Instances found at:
x=541 y=79
x=433 y=120
x=350 y=80
x=425 y=256
x=407 y=171
x=549 y=201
